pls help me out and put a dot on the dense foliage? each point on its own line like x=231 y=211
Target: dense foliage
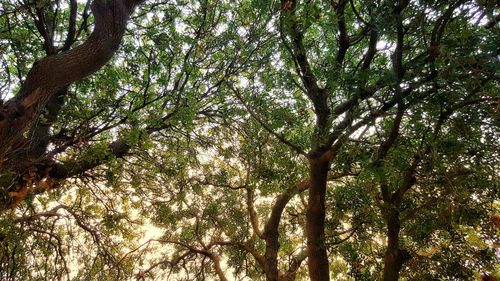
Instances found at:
x=249 y=140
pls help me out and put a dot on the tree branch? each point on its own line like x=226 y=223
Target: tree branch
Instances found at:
x=18 y=113
x=254 y=115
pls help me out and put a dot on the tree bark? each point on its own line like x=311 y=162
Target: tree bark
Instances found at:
x=271 y=236
x=53 y=73
x=218 y=267
x=394 y=257
x=271 y=258
x=40 y=132
x=315 y=219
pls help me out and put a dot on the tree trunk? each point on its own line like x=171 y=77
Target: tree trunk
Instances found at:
x=271 y=258
x=271 y=237
x=394 y=257
x=53 y=73
x=315 y=219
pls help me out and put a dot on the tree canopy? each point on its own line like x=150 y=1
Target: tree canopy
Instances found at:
x=249 y=140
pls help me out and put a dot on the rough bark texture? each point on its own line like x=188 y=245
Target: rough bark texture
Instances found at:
x=24 y=136
x=394 y=256
x=271 y=256
x=315 y=222
x=53 y=73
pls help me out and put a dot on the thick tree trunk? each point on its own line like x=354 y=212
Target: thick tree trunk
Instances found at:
x=394 y=257
x=53 y=73
x=315 y=220
x=271 y=258
x=44 y=87
x=271 y=237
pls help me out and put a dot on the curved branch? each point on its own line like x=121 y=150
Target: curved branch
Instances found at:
x=52 y=73
x=254 y=219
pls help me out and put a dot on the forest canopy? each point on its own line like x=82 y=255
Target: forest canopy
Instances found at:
x=249 y=140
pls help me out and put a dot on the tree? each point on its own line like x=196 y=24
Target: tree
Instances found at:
x=351 y=83
x=45 y=85
x=256 y=137
x=151 y=95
